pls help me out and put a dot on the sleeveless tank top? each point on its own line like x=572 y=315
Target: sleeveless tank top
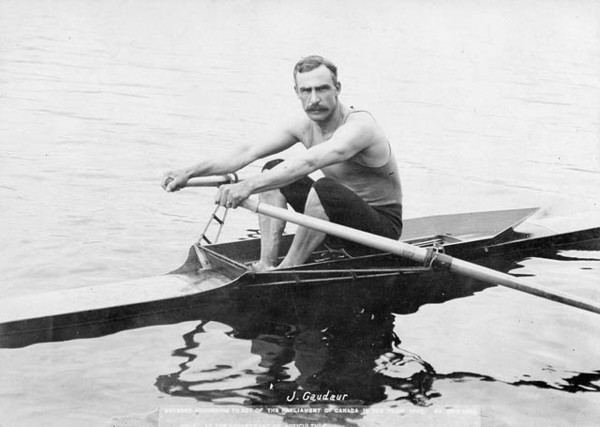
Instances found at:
x=378 y=186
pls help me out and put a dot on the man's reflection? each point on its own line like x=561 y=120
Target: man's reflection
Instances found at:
x=318 y=352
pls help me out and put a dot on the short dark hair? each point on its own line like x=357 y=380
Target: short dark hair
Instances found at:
x=311 y=62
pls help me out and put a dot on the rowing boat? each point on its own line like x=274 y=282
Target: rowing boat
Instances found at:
x=215 y=271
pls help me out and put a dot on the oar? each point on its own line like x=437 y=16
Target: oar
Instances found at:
x=418 y=254
x=403 y=249
x=212 y=181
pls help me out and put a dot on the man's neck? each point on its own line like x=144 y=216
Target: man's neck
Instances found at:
x=332 y=122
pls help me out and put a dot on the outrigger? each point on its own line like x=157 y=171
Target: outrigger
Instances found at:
x=457 y=244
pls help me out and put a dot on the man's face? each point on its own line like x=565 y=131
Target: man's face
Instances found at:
x=317 y=92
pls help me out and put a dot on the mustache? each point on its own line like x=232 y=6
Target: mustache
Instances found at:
x=316 y=109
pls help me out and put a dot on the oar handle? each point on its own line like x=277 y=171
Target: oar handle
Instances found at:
x=213 y=181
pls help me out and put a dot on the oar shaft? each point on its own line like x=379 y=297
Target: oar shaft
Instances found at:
x=384 y=244
x=488 y=275
x=401 y=249
x=418 y=254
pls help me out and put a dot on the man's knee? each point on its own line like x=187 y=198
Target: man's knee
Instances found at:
x=325 y=186
x=328 y=191
x=295 y=193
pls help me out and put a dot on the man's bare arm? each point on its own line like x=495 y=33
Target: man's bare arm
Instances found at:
x=349 y=140
x=352 y=138
x=233 y=159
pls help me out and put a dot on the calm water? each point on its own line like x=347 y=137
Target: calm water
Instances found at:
x=487 y=107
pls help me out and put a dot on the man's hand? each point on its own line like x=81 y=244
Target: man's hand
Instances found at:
x=231 y=195
x=174 y=181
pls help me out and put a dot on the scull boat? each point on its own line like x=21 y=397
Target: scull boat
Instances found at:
x=212 y=269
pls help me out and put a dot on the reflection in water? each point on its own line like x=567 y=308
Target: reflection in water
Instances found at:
x=324 y=345
x=321 y=345
x=313 y=347
x=580 y=382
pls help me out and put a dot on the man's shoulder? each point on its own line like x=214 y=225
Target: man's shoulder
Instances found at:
x=364 y=130
x=360 y=116
x=362 y=122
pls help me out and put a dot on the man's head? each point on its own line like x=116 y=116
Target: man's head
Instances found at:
x=317 y=86
x=315 y=61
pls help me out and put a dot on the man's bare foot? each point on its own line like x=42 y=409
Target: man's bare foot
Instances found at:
x=260 y=267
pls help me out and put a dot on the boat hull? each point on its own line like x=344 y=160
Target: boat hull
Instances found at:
x=218 y=273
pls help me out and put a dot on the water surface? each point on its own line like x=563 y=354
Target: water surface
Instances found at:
x=487 y=106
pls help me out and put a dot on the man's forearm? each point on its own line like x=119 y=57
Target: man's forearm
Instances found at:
x=281 y=175
x=219 y=166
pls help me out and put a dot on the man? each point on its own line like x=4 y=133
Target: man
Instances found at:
x=361 y=184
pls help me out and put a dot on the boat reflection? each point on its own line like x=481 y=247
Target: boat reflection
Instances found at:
x=322 y=345
x=312 y=345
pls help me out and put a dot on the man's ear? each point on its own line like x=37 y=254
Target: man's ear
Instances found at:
x=296 y=90
x=339 y=86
